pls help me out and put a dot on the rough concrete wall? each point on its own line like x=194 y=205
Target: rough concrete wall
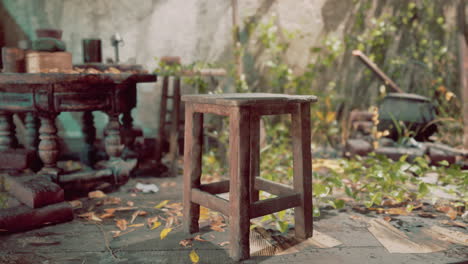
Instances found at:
x=192 y=29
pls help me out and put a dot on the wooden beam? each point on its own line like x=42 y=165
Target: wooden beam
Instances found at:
x=210 y=201
x=273 y=187
x=274 y=205
x=216 y=187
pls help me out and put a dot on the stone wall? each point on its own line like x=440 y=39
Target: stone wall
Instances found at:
x=195 y=30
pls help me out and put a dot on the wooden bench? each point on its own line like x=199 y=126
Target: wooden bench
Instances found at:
x=244 y=112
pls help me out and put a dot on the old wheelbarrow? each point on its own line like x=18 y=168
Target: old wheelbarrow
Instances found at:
x=402 y=114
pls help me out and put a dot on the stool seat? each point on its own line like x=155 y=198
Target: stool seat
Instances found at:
x=245 y=99
x=244 y=111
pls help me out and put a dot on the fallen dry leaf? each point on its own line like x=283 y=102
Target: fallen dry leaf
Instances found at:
x=111 y=200
x=156 y=225
x=110 y=210
x=397 y=211
x=119 y=233
x=217 y=228
x=161 y=204
x=90 y=216
x=198 y=238
x=164 y=233
x=194 y=256
x=186 y=242
x=449 y=211
x=121 y=224
x=454 y=223
x=107 y=215
x=427 y=215
x=136 y=225
x=225 y=243
x=76 y=204
x=96 y=194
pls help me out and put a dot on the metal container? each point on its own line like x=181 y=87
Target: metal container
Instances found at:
x=404 y=114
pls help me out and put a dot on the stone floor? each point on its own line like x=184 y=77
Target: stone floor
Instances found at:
x=85 y=241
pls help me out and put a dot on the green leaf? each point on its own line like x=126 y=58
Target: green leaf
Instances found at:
x=409 y=208
x=423 y=190
x=339 y=204
x=320 y=190
x=282 y=226
x=316 y=211
x=444 y=163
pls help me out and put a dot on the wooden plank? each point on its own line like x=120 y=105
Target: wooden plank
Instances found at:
x=22 y=218
x=452 y=236
x=213 y=109
x=174 y=134
x=247 y=99
x=239 y=200
x=395 y=241
x=192 y=166
x=254 y=155
x=216 y=187
x=302 y=161
x=210 y=201
x=274 y=109
x=318 y=240
x=273 y=187
x=273 y=205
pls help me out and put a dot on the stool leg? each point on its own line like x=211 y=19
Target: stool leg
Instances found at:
x=192 y=166
x=254 y=155
x=302 y=159
x=239 y=166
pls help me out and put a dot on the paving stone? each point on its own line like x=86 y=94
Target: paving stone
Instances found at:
x=34 y=191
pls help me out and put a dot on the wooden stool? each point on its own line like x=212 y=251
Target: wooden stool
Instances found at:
x=244 y=112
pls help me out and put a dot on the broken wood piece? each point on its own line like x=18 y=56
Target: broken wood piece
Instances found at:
x=34 y=191
x=445 y=234
x=318 y=239
x=22 y=218
x=396 y=241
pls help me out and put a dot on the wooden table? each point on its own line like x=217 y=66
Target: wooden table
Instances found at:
x=47 y=95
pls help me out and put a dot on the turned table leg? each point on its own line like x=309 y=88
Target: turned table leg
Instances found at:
x=31 y=137
x=89 y=132
x=49 y=145
x=6 y=135
x=113 y=140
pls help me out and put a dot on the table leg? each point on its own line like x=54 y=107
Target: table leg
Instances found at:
x=89 y=132
x=113 y=140
x=6 y=136
x=48 y=145
x=31 y=137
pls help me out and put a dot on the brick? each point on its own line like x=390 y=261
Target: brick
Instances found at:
x=22 y=218
x=34 y=191
x=16 y=159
